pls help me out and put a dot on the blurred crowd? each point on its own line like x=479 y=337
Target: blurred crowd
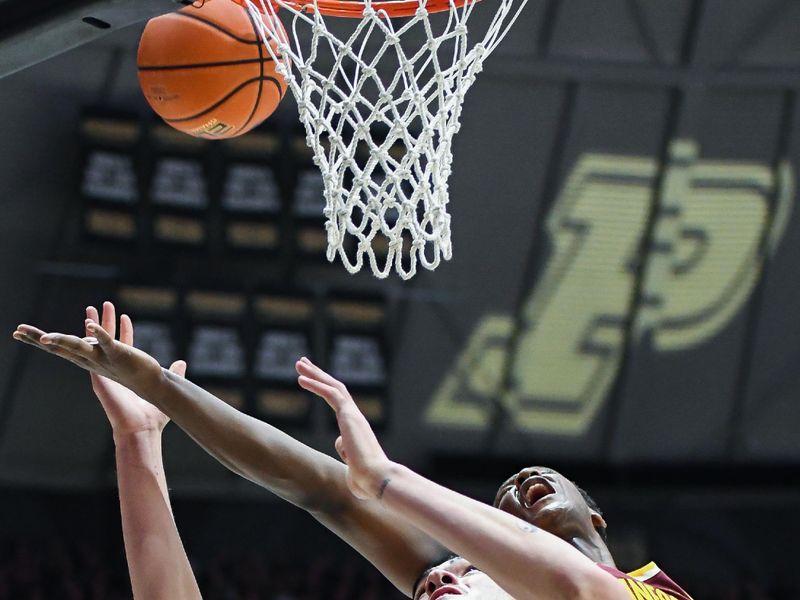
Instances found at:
x=56 y=570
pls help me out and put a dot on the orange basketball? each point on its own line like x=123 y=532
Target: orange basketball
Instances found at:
x=206 y=72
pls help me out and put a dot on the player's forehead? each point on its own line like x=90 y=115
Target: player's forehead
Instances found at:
x=454 y=563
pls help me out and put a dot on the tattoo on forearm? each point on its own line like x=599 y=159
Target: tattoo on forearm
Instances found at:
x=528 y=527
x=384 y=485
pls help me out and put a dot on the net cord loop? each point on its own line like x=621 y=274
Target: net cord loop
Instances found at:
x=380 y=104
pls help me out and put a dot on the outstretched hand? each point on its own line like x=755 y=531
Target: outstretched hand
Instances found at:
x=367 y=464
x=99 y=353
x=127 y=412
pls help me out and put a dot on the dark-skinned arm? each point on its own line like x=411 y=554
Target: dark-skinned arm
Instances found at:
x=255 y=450
x=297 y=473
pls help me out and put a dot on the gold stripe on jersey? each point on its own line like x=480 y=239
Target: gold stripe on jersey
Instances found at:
x=645 y=572
x=642 y=591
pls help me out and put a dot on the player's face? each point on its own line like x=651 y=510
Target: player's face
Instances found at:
x=458 y=579
x=545 y=498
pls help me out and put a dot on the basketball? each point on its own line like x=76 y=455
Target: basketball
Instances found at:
x=206 y=72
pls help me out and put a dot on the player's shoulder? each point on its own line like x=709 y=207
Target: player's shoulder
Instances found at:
x=649 y=581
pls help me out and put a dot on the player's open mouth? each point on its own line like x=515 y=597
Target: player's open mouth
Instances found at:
x=447 y=590
x=534 y=489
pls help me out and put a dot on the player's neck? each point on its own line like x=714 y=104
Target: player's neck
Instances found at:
x=595 y=549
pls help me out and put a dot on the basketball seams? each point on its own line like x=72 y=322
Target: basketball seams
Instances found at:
x=219 y=28
x=261 y=75
x=230 y=95
x=222 y=63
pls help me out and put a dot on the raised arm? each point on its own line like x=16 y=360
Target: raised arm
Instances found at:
x=525 y=561
x=157 y=562
x=255 y=450
x=299 y=474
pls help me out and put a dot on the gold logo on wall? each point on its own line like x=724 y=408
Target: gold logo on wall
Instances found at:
x=717 y=221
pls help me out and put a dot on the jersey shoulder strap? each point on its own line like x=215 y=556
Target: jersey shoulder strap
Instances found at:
x=649 y=583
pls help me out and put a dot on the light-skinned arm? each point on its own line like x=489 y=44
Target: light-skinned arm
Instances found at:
x=157 y=562
x=255 y=450
x=527 y=562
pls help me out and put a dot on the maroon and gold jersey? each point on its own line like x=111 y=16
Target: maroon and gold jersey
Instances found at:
x=649 y=583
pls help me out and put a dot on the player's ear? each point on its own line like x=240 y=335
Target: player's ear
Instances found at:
x=598 y=520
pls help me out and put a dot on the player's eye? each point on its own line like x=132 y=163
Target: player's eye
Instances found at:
x=503 y=491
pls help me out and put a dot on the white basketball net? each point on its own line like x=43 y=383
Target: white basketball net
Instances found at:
x=380 y=104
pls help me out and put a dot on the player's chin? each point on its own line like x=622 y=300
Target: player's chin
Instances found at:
x=547 y=514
